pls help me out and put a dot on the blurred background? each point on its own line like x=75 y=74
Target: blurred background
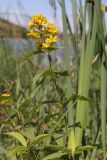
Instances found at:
x=15 y=14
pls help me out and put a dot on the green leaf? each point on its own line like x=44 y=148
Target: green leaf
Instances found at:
x=4 y=122
x=54 y=73
x=57 y=148
x=49 y=116
x=77 y=97
x=16 y=149
x=33 y=53
x=62 y=73
x=38 y=51
x=38 y=139
x=84 y=148
x=72 y=141
x=54 y=156
x=29 y=133
x=18 y=136
x=78 y=124
x=48 y=73
x=49 y=101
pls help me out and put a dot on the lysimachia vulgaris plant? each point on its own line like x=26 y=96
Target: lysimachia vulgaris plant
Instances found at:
x=45 y=35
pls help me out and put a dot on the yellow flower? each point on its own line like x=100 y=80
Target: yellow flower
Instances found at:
x=50 y=41
x=4 y=102
x=39 y=20
x=46 y=44
x=51 y=28
x=34 y=34
x=4 y=98
x=5 y=95
x=30 y=24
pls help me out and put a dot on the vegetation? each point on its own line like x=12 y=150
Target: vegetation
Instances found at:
x=57 y=112
x=11 y=30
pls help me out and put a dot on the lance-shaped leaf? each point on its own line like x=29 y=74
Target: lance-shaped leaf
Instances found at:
x=18 y=136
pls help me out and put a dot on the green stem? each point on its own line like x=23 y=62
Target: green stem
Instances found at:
x=54 y=82
x=53 y=78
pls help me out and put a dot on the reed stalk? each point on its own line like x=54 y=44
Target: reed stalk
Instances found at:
x=103 y=103
x=84 y=78
x=67 y=63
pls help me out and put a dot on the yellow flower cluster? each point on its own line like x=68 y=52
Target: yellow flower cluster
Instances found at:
x=51 y=29
x=49 y=41
x=33 y=34
x=4 y=99
x=38 y=21
x=43 y=32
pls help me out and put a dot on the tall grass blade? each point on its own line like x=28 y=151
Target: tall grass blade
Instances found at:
x=103 y=76
x=84 y=82
x=67 y=62
x=103 y=103
x=74 y=13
